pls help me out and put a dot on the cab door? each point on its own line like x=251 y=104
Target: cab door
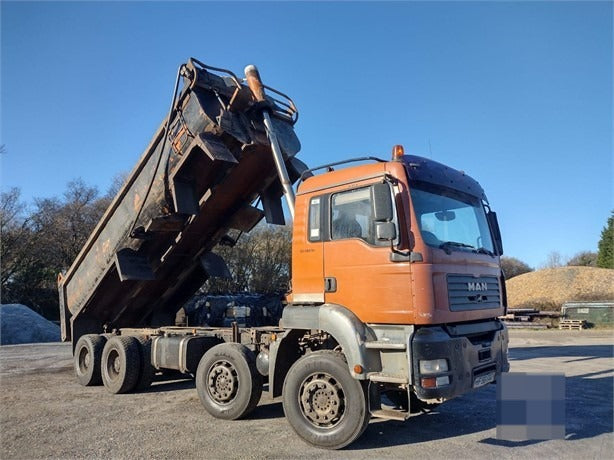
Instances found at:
x=307 y=251
x=358 y=272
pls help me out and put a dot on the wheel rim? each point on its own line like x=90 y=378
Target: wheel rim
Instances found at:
x=322 y=400
x=114 y=365
x=222 y=382
x=84 y=361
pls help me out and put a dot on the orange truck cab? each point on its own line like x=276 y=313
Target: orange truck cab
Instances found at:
x=397 y=262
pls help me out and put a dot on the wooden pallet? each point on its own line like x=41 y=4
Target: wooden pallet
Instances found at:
x=572 y=324
x=571 y=327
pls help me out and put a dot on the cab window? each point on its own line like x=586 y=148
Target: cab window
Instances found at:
x=315 y=232
x=351 y=215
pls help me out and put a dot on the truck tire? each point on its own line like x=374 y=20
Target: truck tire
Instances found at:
x=87 y=358
x=323 y=403
x=121 y=364
x=146 y=375
x=227 y=381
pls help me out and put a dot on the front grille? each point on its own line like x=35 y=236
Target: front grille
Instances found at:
x=466 y=292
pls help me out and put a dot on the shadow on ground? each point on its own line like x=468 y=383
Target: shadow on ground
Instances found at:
x=574 y=352
x=170 y=381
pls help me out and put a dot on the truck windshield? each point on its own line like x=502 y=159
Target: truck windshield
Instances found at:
x=451 y=220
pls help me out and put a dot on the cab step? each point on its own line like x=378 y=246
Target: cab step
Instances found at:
x=387 y=378
x=390 y=414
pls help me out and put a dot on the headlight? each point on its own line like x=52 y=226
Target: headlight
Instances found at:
x=434 y=366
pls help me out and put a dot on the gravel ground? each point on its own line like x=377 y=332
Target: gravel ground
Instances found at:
x=44 y=413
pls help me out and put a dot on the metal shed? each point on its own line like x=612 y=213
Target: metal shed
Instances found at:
x=594 y=313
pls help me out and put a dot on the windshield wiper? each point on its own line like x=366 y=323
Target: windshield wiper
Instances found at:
x=446 y=246
x=455 y=244
x=485 y=251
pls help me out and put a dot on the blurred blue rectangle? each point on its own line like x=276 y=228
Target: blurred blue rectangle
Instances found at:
x=530 y=406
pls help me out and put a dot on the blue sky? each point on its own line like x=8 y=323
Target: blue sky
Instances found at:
x=517 y=94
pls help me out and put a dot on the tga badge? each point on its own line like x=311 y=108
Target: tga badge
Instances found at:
x=530 y=406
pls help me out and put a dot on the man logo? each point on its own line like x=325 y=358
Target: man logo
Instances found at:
x=477 y=287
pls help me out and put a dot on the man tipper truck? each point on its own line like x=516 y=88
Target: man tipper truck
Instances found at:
x=396 y=281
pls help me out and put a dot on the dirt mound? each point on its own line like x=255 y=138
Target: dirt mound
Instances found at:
x=550 y=288
x=19 y=324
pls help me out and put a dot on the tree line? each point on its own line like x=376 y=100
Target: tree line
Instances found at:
x=40 y=242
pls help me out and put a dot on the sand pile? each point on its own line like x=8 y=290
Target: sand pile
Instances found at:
x=19 y=324
x=550 y=288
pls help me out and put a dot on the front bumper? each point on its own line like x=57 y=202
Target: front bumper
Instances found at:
x=473 y=352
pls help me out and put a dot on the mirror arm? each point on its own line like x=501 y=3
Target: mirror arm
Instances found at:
x=400 y=256
x=396 y=251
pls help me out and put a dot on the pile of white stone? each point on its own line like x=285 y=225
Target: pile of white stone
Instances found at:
x=20 y=324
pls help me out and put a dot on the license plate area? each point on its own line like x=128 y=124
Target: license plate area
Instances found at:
x=484 y=377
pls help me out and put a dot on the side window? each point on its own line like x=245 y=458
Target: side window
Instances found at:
x=351 y=215
x=315 y=228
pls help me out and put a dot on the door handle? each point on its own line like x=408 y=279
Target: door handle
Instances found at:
x=330 y=284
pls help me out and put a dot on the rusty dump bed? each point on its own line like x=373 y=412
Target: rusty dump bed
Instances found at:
x=151 y=250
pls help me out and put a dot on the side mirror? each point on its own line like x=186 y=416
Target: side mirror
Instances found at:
x=493 y=223
x=381 y=202
x=385 y=231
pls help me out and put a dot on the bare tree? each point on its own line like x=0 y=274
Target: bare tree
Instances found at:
x=271 y=264
x=36 y=246
x=259 y=262
x=583 y=259
x=514 y=267
x=554 y=260
x=116 y=184
x=63 y=225
x=16 y=241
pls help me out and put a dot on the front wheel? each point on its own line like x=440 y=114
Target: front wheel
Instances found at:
x=323 y=403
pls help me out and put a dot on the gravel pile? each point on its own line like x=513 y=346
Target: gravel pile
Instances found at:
x=20 y=324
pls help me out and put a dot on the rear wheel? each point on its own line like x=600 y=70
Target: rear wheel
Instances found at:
x=227 y=381
x=87 y=358
x=323 y=403
x=121 y=364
